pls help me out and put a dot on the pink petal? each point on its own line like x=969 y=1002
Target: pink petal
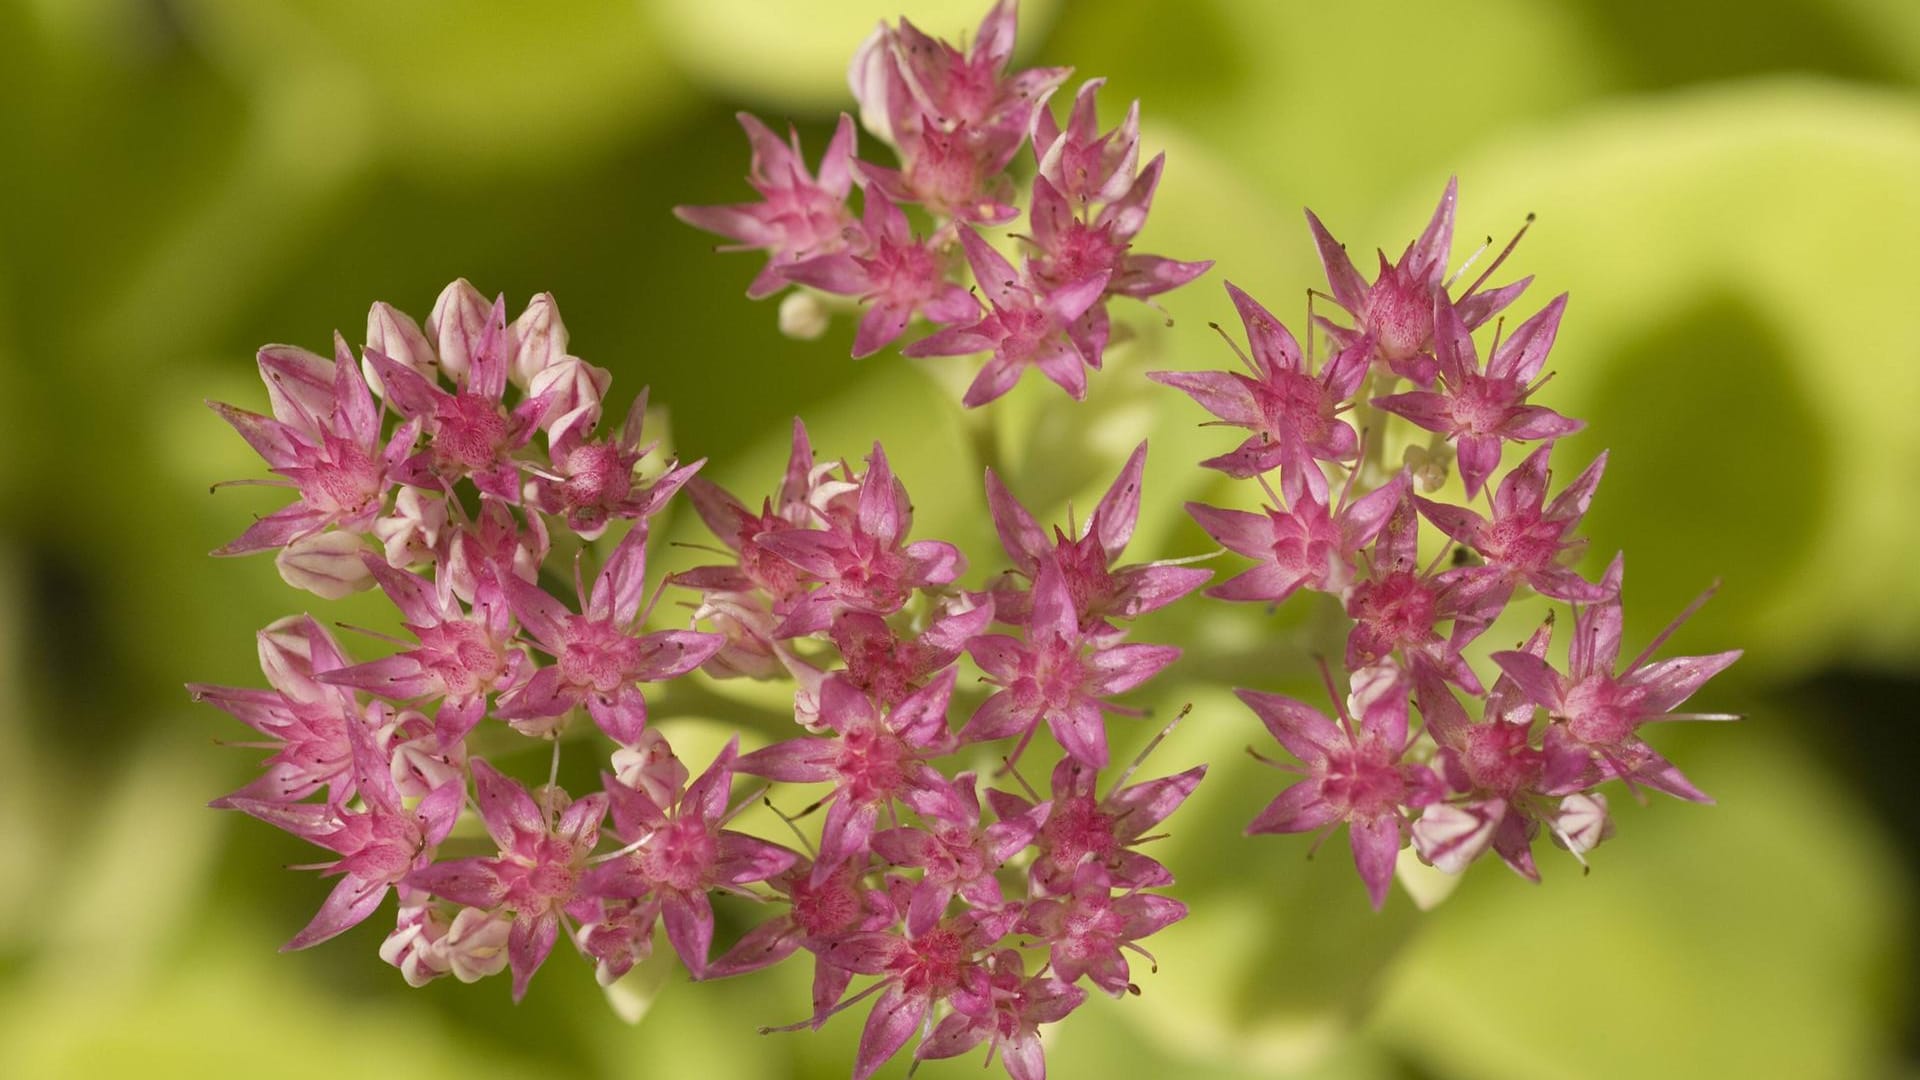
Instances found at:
x=1376 y=845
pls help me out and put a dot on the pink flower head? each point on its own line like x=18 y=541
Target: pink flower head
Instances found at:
x=1008 y=1020
x=306 y=719
x=798 y=216
x=599 y=656
x=1597 y=712
x=957 y=174
x=592 y=480
x=323 y=440
x=1079 y=827
x=1394 y=316
x=872 y=760
x=1022 y=328
x=1479 y=410
x=1494 y=768
x=1527 y=539
x=1058 y=676
x=1293 y=414
x=863 y=563
x=493 y=545
x=898 y=277
x=916 y=972
x=1399 y=606
x=956 y=854
x=1086 y=929
x=888 y=667
x=1354 y=773
x=1100 y=590
x=681 y=852
x=543 y=854
x=461 y=658
x=816 y=913
x=1070 y=248
x=795 y=506
x=1079 y=162
x=378 y=845
x=909 y=84
x=1307 y=545
x=470 y=432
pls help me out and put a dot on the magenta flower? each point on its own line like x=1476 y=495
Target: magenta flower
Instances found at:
x=1394 y=316
x=543 y=853
x=461 y=658
x=1354 y=773
x=898 y=277
x=323 y=440
x=1479 y=410
x=470 y=433
x=1070 y=249
x=798 y=216
x=680 y=853
x=909 y=84
x=592 y=481
x=816 y=914
x=599 y=655
x=1008 y=1020
x=1598 y=712
x=861 y=563
x=872 y=761
x=1293 y=414
x=1399 y=607
x=1078 y=161
x=1100 y=590
x=306 y=720
x=1080 y=827
x=1527 y=540
x=1056 y=675
x=1307 y=545
x=1086 y=929
x=916 y=972
x=378 y=846
x=1022 y=328
x=794 y=506
x=886 y=666
x=956 y=854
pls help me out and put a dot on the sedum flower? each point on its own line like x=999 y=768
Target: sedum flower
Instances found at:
x=1307 y=545
x=306 y=719
x=897 y=277
x=1527 y=539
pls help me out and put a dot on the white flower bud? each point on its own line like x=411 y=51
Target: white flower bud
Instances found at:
x=327 y=565
x=803 y=316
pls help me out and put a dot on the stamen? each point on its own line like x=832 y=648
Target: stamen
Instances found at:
x=1471 y=259
x=1237 y=351
x=815 y=1020
x=1495 y=265
x=377 y=635
x=1661 y=638
x=1152 y=744
x=805 y=844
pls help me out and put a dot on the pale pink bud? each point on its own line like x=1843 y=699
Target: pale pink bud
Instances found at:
x=536 y=340
x=1450 y=837
x=476 y=944
x=411 y=534
x=393 y=334
x=648 y=766
x=327 y=564
x=1582 y=822
x=458 y=320
x=571 y=385
x=415 y=945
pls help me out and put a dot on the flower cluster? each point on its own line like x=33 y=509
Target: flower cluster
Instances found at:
x=1543 y=741
x=957 y=120
x=458 y=468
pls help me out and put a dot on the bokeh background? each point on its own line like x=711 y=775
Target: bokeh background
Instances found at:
x=1732 y=195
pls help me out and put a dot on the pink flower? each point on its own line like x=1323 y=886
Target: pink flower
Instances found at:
x=797 y=505
x=916 y=972
x=599 y=656
x=888 y=667
x=1016 y=1005
x=862 y=563
x=1307 y=544
x=798 y=216
x=323 y=440
x=898 y=277
x=543 y=853
x=873 y=760
x=1056 y=675
x=955 y=854
x=1293 y=414
x=1080 y=827
x=470 y=432
x=307 y=720
x=1099 y=590
x=1527 y=540
x=592 y=481
x=1353 y=773
x=1069 y=248
x=817 y=913
x=461 y=658
x=1598 y=712
x=1086 y=929
x=1022 y=328
x=1394 y=316
x=680 y=853
x=378 y=846
x=1479 y=410
x=1080 y=164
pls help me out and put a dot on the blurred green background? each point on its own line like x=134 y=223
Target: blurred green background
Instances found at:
x=1731 y=195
